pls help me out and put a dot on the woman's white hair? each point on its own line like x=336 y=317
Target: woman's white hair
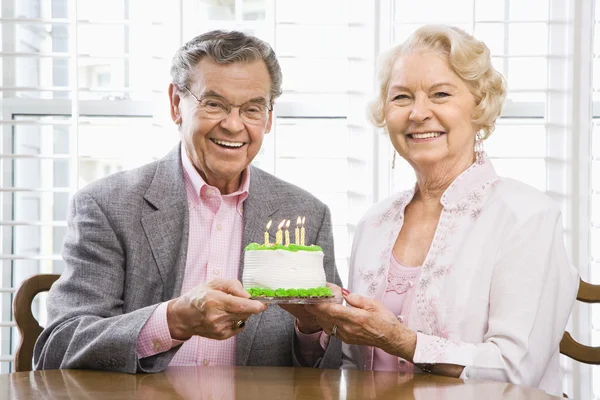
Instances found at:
x=468 y=57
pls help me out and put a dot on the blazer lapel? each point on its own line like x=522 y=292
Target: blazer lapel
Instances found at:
x=259 y=207
x=165 y=222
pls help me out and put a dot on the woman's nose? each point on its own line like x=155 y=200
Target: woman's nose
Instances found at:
x=420 y=111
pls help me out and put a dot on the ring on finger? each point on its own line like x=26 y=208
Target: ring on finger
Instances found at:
x=333 y=330
x=238 y=324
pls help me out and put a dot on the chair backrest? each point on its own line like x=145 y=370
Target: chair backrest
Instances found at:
x=28 y=326
x=587 y=293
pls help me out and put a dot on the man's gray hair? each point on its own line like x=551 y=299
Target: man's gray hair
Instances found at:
x=225 y=47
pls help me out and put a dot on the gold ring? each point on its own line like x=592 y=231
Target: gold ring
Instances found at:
x=333 y=330
x=238 y=324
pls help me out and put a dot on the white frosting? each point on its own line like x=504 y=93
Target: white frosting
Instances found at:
x=283 y=269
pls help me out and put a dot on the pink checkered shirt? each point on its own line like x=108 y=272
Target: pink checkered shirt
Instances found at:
x=216 y=223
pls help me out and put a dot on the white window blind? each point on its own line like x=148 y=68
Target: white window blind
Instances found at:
x=81 y=82
x=594 y=188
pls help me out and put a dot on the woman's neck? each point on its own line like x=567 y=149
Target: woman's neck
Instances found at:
x=432 y=181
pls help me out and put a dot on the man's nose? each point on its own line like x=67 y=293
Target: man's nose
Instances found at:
x=233 y=121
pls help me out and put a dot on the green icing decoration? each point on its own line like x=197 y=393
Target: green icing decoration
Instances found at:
x=291 y=247
x=321 y=291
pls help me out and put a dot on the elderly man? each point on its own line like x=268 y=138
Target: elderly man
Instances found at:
x=154 y=254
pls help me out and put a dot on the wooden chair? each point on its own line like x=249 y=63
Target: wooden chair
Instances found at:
x=587 y=293
x=29 y=328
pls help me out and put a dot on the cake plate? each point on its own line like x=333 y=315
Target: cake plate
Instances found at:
x=298 y=300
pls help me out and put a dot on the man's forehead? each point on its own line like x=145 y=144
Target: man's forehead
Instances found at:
x=252 y=73
x=215 y=94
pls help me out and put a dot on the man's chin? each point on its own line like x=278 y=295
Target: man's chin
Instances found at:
x=220 y=176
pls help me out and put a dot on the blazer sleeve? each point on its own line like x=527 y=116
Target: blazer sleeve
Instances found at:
x=87 y=326
x=532 y=291
x=333 y=352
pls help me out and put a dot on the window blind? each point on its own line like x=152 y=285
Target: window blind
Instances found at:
x=80 y=86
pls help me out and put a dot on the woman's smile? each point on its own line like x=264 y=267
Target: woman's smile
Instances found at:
x=424 y=137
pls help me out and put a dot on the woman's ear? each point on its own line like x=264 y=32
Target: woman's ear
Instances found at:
x=174 y=100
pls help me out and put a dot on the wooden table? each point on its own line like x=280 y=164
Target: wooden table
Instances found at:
x=252 y=383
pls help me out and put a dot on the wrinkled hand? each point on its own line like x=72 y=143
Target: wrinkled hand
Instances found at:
x=209 y=310
x=367 y=323
x=307 y=321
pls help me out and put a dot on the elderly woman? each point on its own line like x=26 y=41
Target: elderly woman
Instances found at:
x=466 y=275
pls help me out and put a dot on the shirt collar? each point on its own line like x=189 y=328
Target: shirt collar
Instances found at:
x=198 y=182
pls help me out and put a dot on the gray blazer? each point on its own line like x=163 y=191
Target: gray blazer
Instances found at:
x=125 y=252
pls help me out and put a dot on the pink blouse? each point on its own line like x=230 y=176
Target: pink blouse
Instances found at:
x=398 y=297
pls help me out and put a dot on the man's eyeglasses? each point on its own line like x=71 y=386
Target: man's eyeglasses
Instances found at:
x=217 y=108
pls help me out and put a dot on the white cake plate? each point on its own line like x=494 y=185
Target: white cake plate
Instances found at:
x=272 y=300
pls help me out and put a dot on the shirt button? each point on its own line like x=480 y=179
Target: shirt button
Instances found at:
x=400 y=318
x=156 y=345
x=219 y=227
x=206 y=362
x=216 y=272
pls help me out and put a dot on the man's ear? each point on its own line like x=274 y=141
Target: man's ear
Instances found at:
x=174 y=100
x=269 y=123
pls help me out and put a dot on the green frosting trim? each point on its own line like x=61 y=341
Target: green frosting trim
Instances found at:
x=321 y=291
x=291 y=247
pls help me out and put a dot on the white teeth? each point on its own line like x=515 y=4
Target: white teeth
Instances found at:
x=228 y=144
x=426 y=135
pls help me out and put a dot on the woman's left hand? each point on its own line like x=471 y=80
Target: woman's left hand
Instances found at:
x=369 y=323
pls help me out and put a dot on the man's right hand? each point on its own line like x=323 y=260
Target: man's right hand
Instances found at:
x=210 y=309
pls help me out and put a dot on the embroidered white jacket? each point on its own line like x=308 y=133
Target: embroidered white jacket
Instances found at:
x=496 y=288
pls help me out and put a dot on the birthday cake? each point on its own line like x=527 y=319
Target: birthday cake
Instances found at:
x=284 y=270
